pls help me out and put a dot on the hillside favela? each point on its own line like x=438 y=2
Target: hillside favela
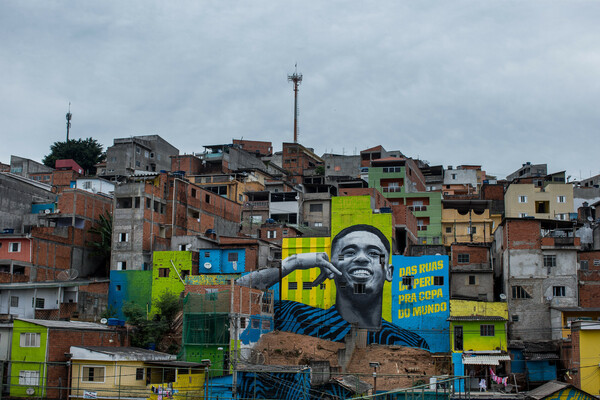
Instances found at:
x=245 y=269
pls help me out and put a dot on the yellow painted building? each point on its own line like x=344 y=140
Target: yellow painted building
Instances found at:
x=231 y=186
x=552 y=201
x=133 y=373
x=466 y=226
x=585 y=363
x=482 y=325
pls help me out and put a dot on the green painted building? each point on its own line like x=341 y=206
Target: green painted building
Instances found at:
x=402 y=183
x=40 y=349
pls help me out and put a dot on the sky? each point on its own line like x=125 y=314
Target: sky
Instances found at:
x=491 y=83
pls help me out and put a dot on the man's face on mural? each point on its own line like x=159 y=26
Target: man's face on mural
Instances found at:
x=362 y=259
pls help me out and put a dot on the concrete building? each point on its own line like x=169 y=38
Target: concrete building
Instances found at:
x=96 y=185
x=460 y=181
x=403 y=184
x=25 y=167
x=258 y=148
x=536 y=264
x=341 y=165
x=138 y=153
x=466 y=221
x=298 y=161
x=152 y=208
x=593 y=181
x=471 y=273
x=529 y=170
x=552 y=201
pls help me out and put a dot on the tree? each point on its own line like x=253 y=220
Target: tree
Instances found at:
x=85 y=152
x=102 y=247
x=147 y=332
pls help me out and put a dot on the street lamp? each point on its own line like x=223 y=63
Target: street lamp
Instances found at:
x=375 y=365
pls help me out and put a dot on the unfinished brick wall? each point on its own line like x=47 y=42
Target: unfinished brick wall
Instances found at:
x=59 y=343
x=477 y=254
x=589 y=281
x=522 y=234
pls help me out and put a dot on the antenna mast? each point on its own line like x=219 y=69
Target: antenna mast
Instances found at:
x=69 y=116
x=296 y=78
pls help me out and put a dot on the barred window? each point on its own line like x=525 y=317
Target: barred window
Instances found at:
x=486 y=330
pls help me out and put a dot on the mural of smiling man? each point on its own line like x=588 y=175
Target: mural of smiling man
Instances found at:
x=359 y=266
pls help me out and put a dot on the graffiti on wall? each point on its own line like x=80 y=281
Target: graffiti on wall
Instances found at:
x=329 y=286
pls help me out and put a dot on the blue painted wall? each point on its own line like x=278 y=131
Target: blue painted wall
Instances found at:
x=257 y=325
x=423 y=307
x=129 y=286
x=217 y=261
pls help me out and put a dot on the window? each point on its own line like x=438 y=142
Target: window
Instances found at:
x=584 y=265
x=232 y=257
x=472 y=280
x=486 y=330
x=471 y=230
x=453 y=176
x=558 y=291
x=515 y=318
x=522 y=199
x=38 y=302
x=463 y=258
x=30 y=339
x=163 y=272
x=255 y=323
x=596 y=262
x=561 y=199
x=292 y=285
x=29 y=378
x=14 y=247
x=93 y=374
x=316 y=208
x=271 y=234
x=523 y=215
x=243 y=322
x=448 y=229
x=87 y=185
x=318 y=224
x=183 y=247
x=438 y=281
x=14 y=301
x=121 y=265
x=146 y=153
x=139 y=374
x=118 y=288
x=519 y=293
x=306 y=285
x=407 y=281
x=549 y=261
x=207 y=198
x=322 y=286
x=138 y=150
x=123 y=237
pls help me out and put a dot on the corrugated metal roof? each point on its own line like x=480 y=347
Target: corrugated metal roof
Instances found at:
x=547 y=389
x=67 y=324
x=484 y=359
x=540 y=356
x=476 y=318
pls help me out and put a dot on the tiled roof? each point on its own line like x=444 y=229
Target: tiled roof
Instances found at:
x=484 y=359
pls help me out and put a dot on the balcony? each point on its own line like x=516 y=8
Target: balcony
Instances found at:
x=422 y=227
x=256 y=205
x=566 y=241
x=417 y=208
x=392 y=189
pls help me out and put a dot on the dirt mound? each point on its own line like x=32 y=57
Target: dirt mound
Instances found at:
x=399 y=366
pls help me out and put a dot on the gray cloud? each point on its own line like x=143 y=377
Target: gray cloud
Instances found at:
x=493 y=83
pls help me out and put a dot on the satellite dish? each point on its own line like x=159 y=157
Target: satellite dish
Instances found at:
x=103 y=321
x=67 y=275
x=207 y=265
x=590 y=219
x=46 y=211
x=549 y=298
x=30 y=391
x=502 y=296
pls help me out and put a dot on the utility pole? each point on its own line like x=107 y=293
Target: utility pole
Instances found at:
x=296 y=78
x=69 y=116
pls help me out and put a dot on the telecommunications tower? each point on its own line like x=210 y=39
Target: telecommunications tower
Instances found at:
x=296 y=78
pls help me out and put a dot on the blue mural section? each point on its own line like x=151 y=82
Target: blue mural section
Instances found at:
x=274 y=385
x=421 y=298
x=221 y=261
x=129 y=286
x=257 y=325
